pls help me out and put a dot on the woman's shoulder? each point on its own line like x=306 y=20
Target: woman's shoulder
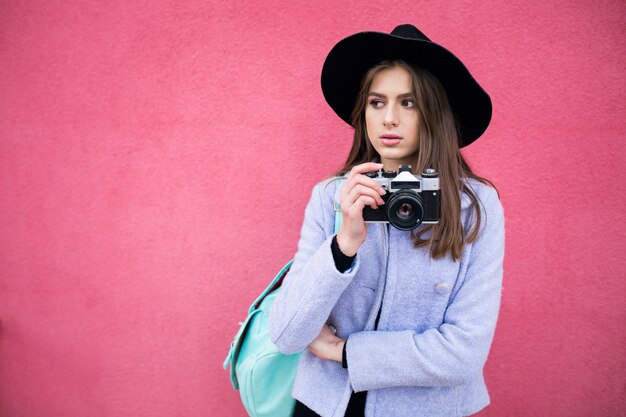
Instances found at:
x=324 y=198
x=328 y=189
x=324 y=203
x=486 y=194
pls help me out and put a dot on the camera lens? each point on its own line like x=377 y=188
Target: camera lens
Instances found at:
x=405 y=210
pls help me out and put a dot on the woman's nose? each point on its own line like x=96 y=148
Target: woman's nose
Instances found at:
x=390 y=118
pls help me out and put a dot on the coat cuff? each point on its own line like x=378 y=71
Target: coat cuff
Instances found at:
x=369 y=353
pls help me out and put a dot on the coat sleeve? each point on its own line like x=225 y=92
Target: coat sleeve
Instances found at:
x=455 y=352
x=313 y=284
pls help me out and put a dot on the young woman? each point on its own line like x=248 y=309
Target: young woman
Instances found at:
x=396 y=322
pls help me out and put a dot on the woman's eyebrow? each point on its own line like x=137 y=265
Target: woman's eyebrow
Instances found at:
x=375 y=94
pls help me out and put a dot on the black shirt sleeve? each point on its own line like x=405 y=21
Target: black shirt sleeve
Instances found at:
x=342 y=261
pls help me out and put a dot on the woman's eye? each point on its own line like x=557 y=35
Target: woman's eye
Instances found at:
x=376 y=103
x=408 y=102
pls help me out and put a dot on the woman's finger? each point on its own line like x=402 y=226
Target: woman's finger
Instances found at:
x=360 y=203
x=361 y=190
x=368 y=182
x=363 y=180
x=363 y=168
x=358 y=182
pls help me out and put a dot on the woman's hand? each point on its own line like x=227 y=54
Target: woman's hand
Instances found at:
x=357 y=192
x=327 y=346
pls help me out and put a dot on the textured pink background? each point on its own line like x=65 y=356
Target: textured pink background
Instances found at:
x=156 y=157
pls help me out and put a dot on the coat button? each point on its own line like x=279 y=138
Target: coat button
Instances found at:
x=442 y=288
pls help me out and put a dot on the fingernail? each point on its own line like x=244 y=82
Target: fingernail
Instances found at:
x=382 y=191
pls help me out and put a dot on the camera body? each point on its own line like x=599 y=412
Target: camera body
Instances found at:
x=410 y=199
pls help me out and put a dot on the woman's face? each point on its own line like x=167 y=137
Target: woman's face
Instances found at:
x=391 y=118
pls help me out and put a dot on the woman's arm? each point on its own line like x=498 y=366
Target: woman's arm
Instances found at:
x=313 y=285
x=455 y=352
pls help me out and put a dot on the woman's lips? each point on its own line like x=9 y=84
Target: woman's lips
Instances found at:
x=390 y=140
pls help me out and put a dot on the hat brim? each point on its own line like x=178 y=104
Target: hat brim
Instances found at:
x=352 y=57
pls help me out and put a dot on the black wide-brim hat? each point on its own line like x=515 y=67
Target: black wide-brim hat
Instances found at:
x=352 y=57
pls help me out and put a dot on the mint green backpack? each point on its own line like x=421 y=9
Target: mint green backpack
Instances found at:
x=263 y=375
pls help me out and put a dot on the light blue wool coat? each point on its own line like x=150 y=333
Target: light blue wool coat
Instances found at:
x=436 y=326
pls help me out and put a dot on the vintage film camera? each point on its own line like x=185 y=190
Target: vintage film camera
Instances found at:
x=410 y=199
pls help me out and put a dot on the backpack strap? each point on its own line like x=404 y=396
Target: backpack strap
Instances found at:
x=338 y=217
x=276 y=282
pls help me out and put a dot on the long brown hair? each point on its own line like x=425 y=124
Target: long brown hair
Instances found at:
x=438 y=148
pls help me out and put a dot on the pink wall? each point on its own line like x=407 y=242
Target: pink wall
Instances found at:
x=156 y=157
